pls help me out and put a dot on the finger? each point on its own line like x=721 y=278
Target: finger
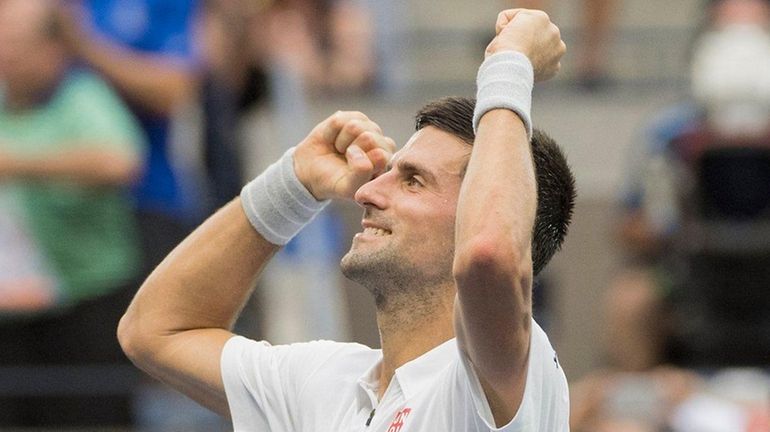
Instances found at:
x=389 y=145
x=331 y=127
x=352 y=130
x=504 y=17
x=557 y=31
x=369 y=142
x=360 y=170
x=380 y=159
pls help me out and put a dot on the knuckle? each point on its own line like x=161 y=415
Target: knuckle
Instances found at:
x=543 y=15
x=368 y=137
x=391 y=144
x=556 y=30
x=337 y=120
x=352 y=127
x=369 y=125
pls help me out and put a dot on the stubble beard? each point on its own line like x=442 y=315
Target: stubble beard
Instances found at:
x=394 y=280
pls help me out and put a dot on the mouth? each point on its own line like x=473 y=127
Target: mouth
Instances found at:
x=375 y=231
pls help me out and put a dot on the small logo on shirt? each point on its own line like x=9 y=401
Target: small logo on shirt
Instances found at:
x=398 y=421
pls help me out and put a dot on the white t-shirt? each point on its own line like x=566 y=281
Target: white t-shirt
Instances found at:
x=325 y=386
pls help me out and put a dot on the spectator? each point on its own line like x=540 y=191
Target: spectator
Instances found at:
x=144 y=48
x=68 y=149
x=654 y=314
x=330 y=45
x=730 y=104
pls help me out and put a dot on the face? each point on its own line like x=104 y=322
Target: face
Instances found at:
x=28 y=58
x=407 y=241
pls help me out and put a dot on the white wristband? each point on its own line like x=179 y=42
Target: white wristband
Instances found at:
x=505 y=80
x=277 y=204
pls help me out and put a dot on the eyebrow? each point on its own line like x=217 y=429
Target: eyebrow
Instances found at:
x=408 y=168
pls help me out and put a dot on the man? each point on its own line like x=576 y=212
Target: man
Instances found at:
x=445 y=250
x=69 y=149
x=144 y=48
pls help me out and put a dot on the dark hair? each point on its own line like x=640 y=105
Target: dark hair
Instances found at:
x=555 y=182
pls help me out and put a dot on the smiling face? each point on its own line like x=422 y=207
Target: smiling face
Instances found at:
x=407 y=242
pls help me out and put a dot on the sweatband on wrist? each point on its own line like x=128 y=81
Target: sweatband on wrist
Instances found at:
x=277 y=204
x=505 y=80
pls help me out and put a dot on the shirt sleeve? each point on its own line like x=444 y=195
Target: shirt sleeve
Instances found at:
x=545 y=405
x=263 y=382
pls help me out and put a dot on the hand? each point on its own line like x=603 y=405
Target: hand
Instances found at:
x=341 y=154
x=6 y=165
x=532 y=33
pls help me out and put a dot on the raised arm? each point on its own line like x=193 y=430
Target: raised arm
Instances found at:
x=179 y=321
x=496 y=211
x=152 y=82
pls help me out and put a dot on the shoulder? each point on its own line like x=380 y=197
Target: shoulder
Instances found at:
x=84 y=87
x=545 y=404
x=96 y=111
x=317 y=346
x=270 y=387
x=297 y=356
x=546 y=394
x=257 y=371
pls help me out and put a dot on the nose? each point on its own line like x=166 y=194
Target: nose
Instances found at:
x=373 y=193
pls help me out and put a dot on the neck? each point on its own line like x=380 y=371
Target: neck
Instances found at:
x=21 y=95
x=18 y=100
x=21 y=98
x=409 y=330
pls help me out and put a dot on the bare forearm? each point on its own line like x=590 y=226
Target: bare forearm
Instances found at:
x=179 y=321
x=493 y=261
x=155 y=84
x=498 y=198
x=206 y=280
x=88 y=167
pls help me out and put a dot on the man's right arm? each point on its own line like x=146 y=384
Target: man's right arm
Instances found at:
x=156 y=82
x=179 y=321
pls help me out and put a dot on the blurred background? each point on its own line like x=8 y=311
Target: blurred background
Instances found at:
x=124 y=123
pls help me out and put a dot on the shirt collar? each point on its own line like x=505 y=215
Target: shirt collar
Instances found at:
x=414 y=375
x=369 y=383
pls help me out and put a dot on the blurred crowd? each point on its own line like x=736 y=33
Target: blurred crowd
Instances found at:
x=120 y=130
x=687 y=330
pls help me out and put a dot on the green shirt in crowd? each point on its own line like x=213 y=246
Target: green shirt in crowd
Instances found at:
x=86 y=232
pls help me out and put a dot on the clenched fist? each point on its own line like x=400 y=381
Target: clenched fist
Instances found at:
x=341 y=154
x=532 y=33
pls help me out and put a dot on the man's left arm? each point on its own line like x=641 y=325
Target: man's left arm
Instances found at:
x=496 y=212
